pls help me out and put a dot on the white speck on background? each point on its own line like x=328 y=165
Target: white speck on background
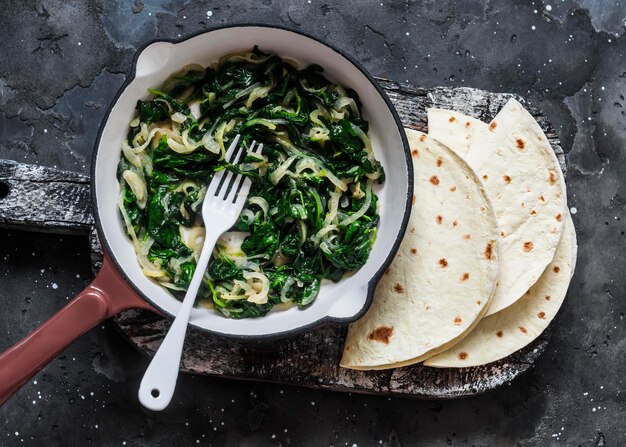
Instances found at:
x=573 y=210
x=209 y=14
x=55 y=285
x=45 y=131
x=533 y=27
x=548 y=8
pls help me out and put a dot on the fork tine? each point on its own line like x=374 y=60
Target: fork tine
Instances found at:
x=241 y=178
x=246 y=184
x=217 y=178
x=224 y=189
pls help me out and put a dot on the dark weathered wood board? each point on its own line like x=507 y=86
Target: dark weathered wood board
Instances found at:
x=44 y=199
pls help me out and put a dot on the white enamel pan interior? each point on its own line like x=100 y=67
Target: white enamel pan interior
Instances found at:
x=341 y=302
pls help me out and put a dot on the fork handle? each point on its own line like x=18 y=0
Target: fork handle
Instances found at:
x=159 y=381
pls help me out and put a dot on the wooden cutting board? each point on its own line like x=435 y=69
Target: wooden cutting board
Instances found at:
x=45 y=199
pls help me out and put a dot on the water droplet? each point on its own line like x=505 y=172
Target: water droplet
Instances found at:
x=451 y=78
x=514 y=38
x=467 y=53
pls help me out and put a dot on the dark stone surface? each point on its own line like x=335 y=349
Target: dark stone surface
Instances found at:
x=61 y=65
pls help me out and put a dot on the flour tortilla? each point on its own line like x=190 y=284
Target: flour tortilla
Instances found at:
x=453 y=129
x=500 y=335
x=514 y=159
x=443 y=276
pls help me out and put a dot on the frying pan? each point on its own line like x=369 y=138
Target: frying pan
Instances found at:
x=120 y=285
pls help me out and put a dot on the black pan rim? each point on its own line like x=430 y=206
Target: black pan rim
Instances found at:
x=371 y=286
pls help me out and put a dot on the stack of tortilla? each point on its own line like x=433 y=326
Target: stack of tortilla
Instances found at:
x=489 y=250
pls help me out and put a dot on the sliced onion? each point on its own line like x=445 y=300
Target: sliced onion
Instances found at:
x=262 y=203
x=262 y=289
x=363 y=209
x=258 y=93
x=242 y=93
x=209 y=143
x=346 y=101
x=283 y=291
x=335 y=181
x=368 y=145
x=281 y=170
x=325 y=230
x=137 y=186
x=179 y=147
x=178 y=117
x=333 y=205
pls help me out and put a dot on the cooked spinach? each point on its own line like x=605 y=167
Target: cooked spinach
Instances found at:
x=312 y=212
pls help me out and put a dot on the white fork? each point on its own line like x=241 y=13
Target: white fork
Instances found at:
x=220 y=211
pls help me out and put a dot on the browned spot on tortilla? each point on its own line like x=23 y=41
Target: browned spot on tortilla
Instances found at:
x=465 y=276
x=542 y=198
x=556 y=269
x=500 y=334
x=467 y=236
x=506 y=179
x=398 y=287
x=489 y=251
x=414 y=251
x=478 y=302
x=452 y=119
x=422 y=137
x=492 y=126
x=439 y=219
x=381 y=334
x=413 y=199
x=455 y=223
x=443 y=263
x=523 y=205
x=458 y=320
x=439 y=162
x=468 y=124
x=541 y=315
x=462 y=355
x=502 y=233
x=453 y=189
x=539 y=137
x=434 y=180
x=523 y=329
x=387 y=271
x=559 y=217
x=533 y=213
x=528 y=246
x=412 y=230
x=415 y=153
x=520 y=143
x=485 y=177
x=548 y=297
x=552 y=178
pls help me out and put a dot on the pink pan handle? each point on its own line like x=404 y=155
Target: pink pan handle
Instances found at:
x=106 y=296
